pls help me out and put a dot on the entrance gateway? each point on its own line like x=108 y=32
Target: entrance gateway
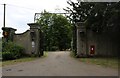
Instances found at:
x=31 y=40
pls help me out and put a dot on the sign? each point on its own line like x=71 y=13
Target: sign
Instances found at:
x=33 y=44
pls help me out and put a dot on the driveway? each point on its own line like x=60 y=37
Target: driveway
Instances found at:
x=57 y=64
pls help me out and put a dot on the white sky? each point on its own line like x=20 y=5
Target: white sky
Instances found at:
x=21 y=12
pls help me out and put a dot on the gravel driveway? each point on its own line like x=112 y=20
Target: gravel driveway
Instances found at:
x=57 y=64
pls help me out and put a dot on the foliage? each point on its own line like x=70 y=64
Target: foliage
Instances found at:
x=0 y=48
x=57 y=31
x=7 y=55
x=96 y=15
x=0 y=44
x=11 y=51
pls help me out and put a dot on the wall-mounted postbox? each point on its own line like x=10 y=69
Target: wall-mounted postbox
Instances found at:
x=92 y=49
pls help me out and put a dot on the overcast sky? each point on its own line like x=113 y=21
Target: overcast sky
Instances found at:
x=21 y=12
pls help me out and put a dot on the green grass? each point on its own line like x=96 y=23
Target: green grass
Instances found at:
x=111 y=62
x=106 y=62
x=11 y=62
x=45 y=54
x=72 y=54
x=24 y=59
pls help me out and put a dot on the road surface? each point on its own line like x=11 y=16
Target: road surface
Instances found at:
x=57 y=64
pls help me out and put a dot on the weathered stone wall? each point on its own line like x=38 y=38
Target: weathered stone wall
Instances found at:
x=91 y=39
x=81 y=40
x=106 y=43
x=24 y=40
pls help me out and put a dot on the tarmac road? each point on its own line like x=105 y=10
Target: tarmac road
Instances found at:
x=57 y=64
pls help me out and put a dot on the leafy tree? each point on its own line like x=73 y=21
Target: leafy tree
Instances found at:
x=98 y=16
x=57 y=31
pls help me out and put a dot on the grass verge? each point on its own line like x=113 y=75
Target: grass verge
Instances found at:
x=111 y=62
x=45 y=54
x=24 y=59
x=72 y=54
x=106 y=62
x=11 y=62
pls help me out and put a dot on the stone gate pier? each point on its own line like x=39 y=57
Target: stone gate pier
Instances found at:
x=31 y=39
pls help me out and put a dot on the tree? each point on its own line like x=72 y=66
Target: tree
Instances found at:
x=98 y=16
x=57 y=31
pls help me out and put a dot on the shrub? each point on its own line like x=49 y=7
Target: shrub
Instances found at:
x=0 y=45
x=11 y=51
x=7 y=56
x=17 y=51
x=54 y=48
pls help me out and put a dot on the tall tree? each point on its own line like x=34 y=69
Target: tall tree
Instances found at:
x=57 y=31
x=99 y=16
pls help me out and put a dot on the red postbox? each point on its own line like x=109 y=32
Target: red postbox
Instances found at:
x=92 y=50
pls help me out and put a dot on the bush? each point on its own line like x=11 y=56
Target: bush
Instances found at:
x=0 y=45
x=7 y=56
x=17 y=51
x=11 y=51
x=54 y=48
